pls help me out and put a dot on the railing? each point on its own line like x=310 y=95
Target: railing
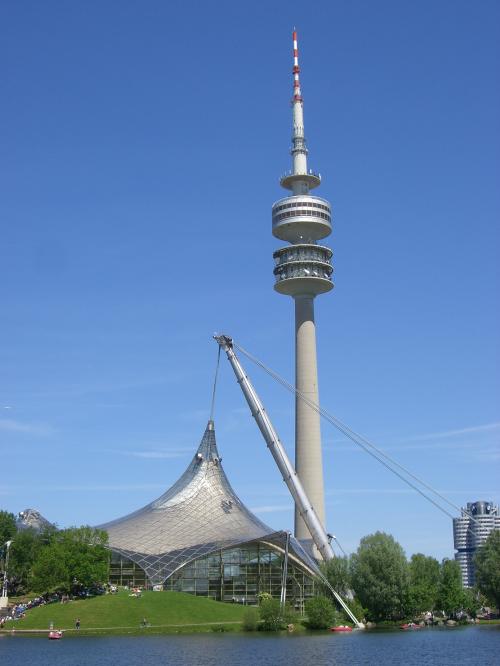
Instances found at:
x=310 y=172
x=303 y=253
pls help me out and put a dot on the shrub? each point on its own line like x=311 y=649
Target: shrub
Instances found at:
x=270 y=614
x=289 y=614
x=250 y=619
x=273 y=617
x=219 y=628
x=320 y=613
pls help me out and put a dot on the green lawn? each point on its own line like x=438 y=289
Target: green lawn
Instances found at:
x=120 y=612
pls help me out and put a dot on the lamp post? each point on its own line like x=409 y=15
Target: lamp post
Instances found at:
x=4 y=599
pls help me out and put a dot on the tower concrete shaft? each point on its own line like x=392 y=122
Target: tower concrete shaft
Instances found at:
x=308 y=455
x=303 y=270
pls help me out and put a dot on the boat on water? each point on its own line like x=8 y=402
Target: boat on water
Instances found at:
x=410 y=625
x=341 y=627
x=55 y=634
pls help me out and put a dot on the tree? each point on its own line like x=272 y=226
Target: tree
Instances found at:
x=23 y=553
x=50 y=572
x=379 y=574
x=87 y=557
x=74 y=558
x=320 y=613
x=487 y=562
x=337 y=573
x=424 y=582
x=7 y=527
x=451 y=597
x=472 y=602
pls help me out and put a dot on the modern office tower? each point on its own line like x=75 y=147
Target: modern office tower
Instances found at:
x=470 y=531
x=303 y=270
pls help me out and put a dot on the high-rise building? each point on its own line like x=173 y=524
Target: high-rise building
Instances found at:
x=470 y=531
x=303 y=270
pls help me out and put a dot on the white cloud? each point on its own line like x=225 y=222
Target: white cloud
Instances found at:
x=488 y=454
x=424 y=441
x=271 y=508
x=194 y=415
x=369 y=491
x=76 y=390
x=10 y=425
x=456 y=433
x=153 y=453
x=262 y=490
x=420 y=446
x=156 y=454
x=125 y=487
x=407 y=491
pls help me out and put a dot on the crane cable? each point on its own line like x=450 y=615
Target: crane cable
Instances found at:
x=361 y=441
x=212 y=406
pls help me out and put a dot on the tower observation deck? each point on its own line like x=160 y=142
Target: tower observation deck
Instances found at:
x=303 y=269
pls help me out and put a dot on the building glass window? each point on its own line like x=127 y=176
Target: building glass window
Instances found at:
x=246 y=571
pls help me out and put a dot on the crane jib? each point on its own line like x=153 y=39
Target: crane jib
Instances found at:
x=280 y=456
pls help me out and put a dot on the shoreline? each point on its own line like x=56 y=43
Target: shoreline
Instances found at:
x=191 y=628
x=232 y=627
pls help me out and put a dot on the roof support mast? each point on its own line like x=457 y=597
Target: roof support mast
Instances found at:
x=286 y=468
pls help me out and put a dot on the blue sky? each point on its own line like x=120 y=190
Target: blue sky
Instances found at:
x=141 y=149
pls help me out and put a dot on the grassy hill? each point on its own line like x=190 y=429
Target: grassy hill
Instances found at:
x=121 y=613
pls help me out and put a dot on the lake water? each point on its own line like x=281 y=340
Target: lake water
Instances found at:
x=474 y=646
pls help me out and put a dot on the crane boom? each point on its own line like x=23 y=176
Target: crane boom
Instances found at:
x=278 y=452
x=286 y=468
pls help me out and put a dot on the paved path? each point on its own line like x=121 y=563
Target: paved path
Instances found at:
x=135 y=627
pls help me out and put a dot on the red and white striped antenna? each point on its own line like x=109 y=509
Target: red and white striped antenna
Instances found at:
x=297 y=97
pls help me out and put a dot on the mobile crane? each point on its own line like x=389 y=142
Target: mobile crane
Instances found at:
x=290 y=477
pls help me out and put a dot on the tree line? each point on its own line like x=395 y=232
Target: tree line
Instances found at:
x=381 y=583
x=388 y=586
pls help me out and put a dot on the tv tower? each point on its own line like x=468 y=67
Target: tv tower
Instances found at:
x=303 y=270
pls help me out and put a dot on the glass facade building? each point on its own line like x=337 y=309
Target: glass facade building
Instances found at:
x=198 y=537
x=237 y=574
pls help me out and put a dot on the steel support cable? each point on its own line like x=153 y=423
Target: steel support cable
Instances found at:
x=361 y=441
x=339 y=545
x=212 y=407
x=337 y=596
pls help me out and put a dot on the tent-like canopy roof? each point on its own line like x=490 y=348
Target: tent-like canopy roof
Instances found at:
x=198 y=515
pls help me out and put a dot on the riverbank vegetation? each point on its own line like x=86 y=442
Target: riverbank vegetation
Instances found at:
x=389 y=588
